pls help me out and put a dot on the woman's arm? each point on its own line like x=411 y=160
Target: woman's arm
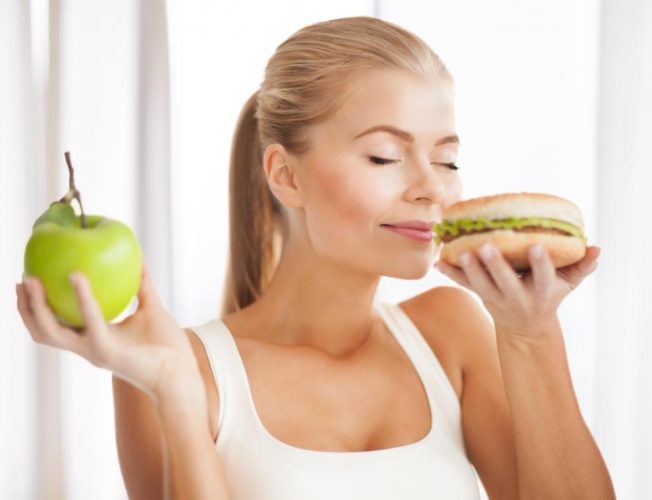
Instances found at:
x=556 y=455
x=139 y=437
x=139 y=441
x=191 y=465
x=152 y=353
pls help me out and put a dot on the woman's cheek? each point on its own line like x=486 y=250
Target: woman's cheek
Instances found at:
x=453 y=193
x=342 y=187
x=346 y=201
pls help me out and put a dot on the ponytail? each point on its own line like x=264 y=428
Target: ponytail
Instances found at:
x=254 y=233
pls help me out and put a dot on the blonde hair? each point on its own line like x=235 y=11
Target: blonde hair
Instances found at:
x=306 y=81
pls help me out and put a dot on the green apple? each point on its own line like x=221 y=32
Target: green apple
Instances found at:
x=106 y=251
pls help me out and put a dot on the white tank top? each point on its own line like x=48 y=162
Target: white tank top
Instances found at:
x=259 y=466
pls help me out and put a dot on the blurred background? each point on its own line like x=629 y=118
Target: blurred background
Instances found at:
x=551 y=96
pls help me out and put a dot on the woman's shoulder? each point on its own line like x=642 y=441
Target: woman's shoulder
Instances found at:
x=451 y=320
x=445 y=306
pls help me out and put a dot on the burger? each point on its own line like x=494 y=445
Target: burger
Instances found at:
x=513 y=222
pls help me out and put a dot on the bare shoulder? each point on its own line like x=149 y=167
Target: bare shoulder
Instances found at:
x=212 y=394
x=454 y=324
x=447 y=302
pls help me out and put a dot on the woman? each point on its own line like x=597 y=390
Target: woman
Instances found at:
x=307 y=389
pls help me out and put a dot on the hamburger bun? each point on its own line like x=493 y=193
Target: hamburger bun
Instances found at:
x=513 y=222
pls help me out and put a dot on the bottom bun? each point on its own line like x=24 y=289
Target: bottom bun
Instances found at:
x=514 y=245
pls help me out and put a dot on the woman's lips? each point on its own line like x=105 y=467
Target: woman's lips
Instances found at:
x=414 y=234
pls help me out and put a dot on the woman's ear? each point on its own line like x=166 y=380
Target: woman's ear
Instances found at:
x=281 y=176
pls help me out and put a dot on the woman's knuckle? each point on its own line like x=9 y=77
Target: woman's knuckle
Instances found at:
x=36 y=336
x=40 y=338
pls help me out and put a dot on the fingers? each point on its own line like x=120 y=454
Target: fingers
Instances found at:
x=500 y=270
x=543 y=270
x=92 y=343
x=453 y=273
x=42 y=315
x=489 y=276
x=497 y=275
x=24 y=308
x=90 y=309
x=39 y=319
x=481 y=282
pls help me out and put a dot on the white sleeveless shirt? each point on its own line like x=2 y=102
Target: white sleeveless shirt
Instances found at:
x=259 y=466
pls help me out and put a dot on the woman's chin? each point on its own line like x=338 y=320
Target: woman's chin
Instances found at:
x=415 y=271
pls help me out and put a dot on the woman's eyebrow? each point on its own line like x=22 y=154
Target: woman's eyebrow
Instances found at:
x=407 y=136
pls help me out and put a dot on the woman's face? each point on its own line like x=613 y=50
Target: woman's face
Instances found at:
x=349 y=195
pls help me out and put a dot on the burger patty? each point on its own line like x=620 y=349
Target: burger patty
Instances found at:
x=527 y=229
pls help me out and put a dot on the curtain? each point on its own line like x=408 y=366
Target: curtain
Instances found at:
x=91 y=78
x=18 y=156
x=623 y=378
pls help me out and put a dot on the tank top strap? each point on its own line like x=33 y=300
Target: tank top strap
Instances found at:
x=425 y=361
x=228 y=372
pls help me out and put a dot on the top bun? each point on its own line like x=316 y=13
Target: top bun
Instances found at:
x=508 y=205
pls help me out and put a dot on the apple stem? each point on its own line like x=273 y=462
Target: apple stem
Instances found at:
x=73 y=192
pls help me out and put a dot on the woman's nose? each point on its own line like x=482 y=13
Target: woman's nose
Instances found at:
x=426 y=184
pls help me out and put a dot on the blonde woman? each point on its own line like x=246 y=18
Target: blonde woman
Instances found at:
x=305 y=387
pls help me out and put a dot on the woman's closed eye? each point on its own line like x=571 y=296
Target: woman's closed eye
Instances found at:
x=387 y=161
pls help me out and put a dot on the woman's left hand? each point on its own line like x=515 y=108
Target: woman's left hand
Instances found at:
x=520 y=305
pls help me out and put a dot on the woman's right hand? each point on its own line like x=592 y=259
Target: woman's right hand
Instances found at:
x=147 y=349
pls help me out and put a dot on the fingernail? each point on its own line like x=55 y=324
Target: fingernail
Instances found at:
x=465 y=258
x=537 y=251
x=486 y=251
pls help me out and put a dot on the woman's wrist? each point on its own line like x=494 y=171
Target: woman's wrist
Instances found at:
x=524 y=339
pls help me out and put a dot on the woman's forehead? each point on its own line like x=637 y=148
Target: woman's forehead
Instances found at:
x=421 y=106
x=398 y=103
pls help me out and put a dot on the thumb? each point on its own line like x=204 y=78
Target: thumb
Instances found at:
x=584 y=267
x=147 y=295
x=590 y=261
